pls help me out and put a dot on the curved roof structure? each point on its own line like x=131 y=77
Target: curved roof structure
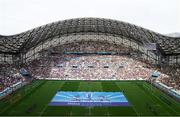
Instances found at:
x=26 y=40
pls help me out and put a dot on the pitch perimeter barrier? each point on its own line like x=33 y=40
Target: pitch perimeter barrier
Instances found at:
x=12 y=88
x=14 y=98
x=169 y=91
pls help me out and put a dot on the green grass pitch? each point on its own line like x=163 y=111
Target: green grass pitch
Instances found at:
x=33 y=99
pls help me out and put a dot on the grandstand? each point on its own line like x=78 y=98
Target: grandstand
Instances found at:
x=92 y=56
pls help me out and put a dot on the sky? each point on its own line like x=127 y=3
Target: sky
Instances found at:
x=162 y=16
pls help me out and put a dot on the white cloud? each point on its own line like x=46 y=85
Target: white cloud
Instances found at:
x=16 y=16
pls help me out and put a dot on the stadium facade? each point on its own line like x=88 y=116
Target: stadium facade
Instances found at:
x=21 y=48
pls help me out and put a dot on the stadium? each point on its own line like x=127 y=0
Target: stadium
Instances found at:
x=89 y=67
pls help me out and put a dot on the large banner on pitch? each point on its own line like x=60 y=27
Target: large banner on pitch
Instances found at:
x=63 y=98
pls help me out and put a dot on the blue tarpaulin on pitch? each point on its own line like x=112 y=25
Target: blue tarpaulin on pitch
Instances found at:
x=64 y=98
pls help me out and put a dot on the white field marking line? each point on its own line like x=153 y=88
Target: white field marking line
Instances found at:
x=99 y=86
x=163 y=102
x=135 y=111
x=43 y=110
x=108 y=114
x=78 y=90
x=107 y=96
x=79 y=86
x=154 y=101
x=89 y=111
x=166 y=104
x=71 y=113
x=165 y=114
x=22 y=104
x=14 y=111
x=156 y=105
x=150 y=98
x=45 y=106
x=132 y=105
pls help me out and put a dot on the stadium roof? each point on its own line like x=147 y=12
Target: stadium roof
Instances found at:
x=24 y=41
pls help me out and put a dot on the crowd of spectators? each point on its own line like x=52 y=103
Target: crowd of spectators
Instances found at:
x=91 y=66
x=91 y=47
x=172 y=77
x=9 y=75
x=98 y=67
